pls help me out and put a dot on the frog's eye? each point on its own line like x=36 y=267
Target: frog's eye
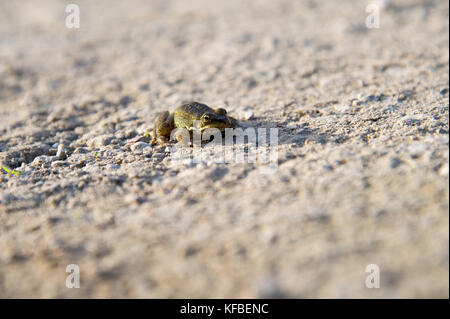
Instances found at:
x=206 y=117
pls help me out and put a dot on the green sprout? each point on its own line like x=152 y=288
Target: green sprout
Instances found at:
x=10 y=171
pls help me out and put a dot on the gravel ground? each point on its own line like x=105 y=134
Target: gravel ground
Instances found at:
x=363 y=154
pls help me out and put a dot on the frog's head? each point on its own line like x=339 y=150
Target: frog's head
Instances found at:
x=217 y=119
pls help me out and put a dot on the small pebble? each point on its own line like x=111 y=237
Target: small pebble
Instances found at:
x=59 y=164
x=61 y=152
x=147 y=150
x=248 y=115
x=138 y=147
x=158 y=156
x=292 y=125
x=42 y=161
x=81 y=150
x=112 y=166
x=101 y=140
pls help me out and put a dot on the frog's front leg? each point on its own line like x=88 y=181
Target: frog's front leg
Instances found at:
x=163 y=127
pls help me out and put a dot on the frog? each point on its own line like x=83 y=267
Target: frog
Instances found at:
x=184 y=117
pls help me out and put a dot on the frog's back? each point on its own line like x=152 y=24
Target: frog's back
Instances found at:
x=193 y=110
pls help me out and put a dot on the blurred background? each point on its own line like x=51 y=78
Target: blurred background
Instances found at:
x=363 y=176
